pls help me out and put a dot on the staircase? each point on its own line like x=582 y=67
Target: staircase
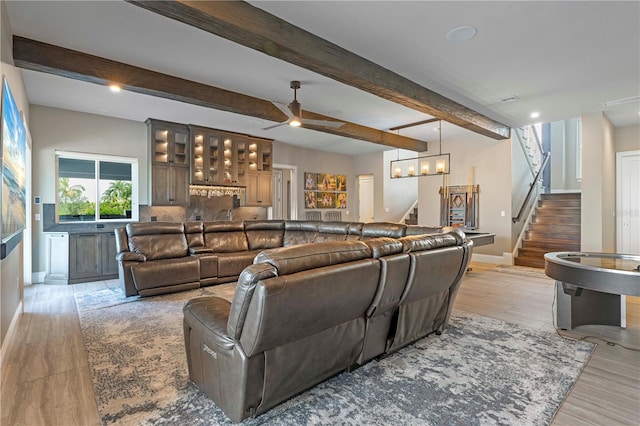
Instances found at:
x=555 y=226
x=413 y=217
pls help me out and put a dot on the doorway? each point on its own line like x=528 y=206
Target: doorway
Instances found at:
x=627 y=202
x=366 y=200
x=284 y=195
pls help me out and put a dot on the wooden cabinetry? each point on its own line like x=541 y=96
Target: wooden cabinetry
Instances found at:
x=259 y=191
x=92 y=257
x=219 y=158
x=170 y=158
x=260 y=158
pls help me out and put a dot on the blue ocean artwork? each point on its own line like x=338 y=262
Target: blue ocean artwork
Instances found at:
x=14 y=178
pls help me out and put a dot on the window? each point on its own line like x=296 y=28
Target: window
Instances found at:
x=96 y=187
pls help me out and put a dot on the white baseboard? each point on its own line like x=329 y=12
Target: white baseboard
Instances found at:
x=505 y=259
x=38 y=277
x=8 y=338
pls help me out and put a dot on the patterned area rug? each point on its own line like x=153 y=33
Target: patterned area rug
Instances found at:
x=480 y=371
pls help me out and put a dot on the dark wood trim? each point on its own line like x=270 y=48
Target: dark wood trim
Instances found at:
x=417 y=123
x=43 y=57
x=250 y=26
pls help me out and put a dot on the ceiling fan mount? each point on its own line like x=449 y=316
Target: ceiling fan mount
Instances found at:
x=293 y=111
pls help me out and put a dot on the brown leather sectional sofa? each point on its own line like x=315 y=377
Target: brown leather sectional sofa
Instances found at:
x=164 y=257
x=302 y=313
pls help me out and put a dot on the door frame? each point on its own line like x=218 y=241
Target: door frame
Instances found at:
x=621 y=188
x=370 y=177
x=294 y=190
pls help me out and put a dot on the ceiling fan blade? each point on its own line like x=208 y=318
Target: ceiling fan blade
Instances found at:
x=276 y=125
x=323 y=123
x=285 y=109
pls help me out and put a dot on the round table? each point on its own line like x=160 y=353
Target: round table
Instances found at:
x=590 y=287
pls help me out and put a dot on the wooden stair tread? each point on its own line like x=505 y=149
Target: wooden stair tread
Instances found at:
x=555 y=226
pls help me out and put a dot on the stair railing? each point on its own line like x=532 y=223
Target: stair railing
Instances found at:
x=408 y=212
x=532 y=188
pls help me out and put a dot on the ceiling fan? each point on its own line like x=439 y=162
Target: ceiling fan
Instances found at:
x=293 y=112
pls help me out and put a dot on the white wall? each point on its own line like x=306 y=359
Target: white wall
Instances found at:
x=481 y=161
x=57 y=129
x=12 y=267
x=627 y=138
x=598 y=184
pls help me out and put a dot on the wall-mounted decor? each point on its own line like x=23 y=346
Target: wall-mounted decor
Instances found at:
x=459 y=206
x=325 y=191
x=14 y=177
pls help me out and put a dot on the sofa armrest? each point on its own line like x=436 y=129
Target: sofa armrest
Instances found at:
x=131 y=256
x=200 y=250
x=209 y=315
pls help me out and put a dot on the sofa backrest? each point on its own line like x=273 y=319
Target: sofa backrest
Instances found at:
x=382 y=229
x=264 y=234
x=297 y=232
x=157 y=240
x=420 y=229
x=317 y=287
x=225 y=237
x=436 y=261
x=331 y=231
x=394 y=264
x=355 y=231
x=194 y=233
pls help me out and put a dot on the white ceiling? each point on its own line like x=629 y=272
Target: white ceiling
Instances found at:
x=562 y=59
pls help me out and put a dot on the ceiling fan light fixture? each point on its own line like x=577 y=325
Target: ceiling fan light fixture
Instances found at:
x=295 y=122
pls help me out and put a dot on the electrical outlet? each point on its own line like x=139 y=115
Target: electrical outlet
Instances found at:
x=503 y=213
x=37 y=217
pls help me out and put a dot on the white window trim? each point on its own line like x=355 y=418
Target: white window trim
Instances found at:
x=103 y=157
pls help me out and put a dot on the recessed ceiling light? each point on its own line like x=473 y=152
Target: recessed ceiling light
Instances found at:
x=462 y=34
x=535 y=114
x=115 y=88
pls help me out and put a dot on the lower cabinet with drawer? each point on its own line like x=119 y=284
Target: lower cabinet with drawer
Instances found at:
x=92 y=257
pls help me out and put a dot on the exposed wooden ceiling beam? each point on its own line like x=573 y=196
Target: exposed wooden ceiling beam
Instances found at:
x=250 y=26
x=38 y=56
x=417 y=123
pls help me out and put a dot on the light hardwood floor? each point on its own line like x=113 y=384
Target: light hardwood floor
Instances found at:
x=45 y=378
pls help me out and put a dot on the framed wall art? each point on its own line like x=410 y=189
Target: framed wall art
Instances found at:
x=325 y=191
x=14 y=177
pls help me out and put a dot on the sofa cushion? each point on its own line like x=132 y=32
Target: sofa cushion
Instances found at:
x=263 y=234
x=166 y=272
x=157 y=240
x=225 y=237
x=289 y=260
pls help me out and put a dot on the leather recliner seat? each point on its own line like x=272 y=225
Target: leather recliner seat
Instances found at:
x=301 y=314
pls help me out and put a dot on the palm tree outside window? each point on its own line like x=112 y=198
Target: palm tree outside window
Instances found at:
x=96 y=188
